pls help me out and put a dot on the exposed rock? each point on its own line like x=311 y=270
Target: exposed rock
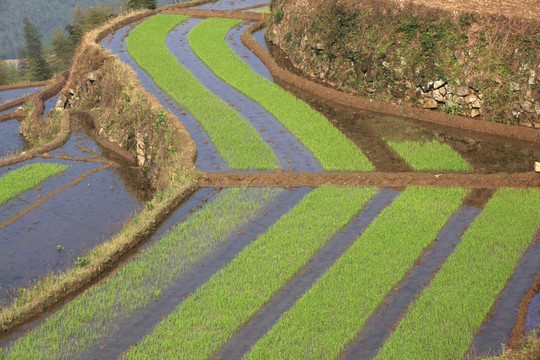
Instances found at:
x=467 y=69
x=438 y=84
x=475 y=113
x=514 y=86
x=450 y=89
x=60 y=102
x=71 y=92
x=370 y=89
x=438 y=97
x=532 y=77
x=537 y=166
x=140 y=149
x=20 y=108
x=527 y=107
x=537 y=108
x=91 y=77
x=459 y=100
x=442 y=91
x=398 y=73
x=476 y=104
x=462 y=91
x=515 y=114
x=386 y=64
x=430 y=104
x=460 y=56
x=469 y=99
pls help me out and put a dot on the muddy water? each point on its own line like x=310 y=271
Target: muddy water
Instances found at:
x=231 y=4
x=290 y=152
x=177 y=216
x=208 y=158
x=10 y=139
x=486 y=153
x=10 y=95
x=532 y=321
x=52 y=236
x=379 y=326
x=259 y=37
x=247 y=336
x=497 y=329
x=234 y=41
x=132 y=330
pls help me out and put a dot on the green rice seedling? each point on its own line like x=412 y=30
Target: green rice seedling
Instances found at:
x=336 y=308
x=236 y=140
x=264 y=10
x=442 y=323
x=99 y=311
x=207 y=319
x=330 y=147
x=18 y=181
x=430 y=156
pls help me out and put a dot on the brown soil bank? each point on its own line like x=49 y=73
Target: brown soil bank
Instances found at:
x=480 y=65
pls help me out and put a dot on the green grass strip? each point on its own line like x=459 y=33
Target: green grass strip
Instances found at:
x=330 y=147
x=442 y=323
x=430 y=156
x=205 y=321
x=98 y=312
x=18 y=181
x=265 y=10
x=336 y=308
x=236 y=140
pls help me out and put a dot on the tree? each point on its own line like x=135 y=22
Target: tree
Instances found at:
x=62 y=49
x=34 y=61
x=3 y=72
x=142 y=4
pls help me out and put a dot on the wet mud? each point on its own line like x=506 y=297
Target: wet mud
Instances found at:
x=132 y=330
x=267 y=316
x=394 y=306
x=290 y=152
x=497 y=328
x=532 y=320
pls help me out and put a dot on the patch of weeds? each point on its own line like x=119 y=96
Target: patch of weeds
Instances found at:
x=81 y=261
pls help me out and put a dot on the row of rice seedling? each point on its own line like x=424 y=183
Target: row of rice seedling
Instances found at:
x=236 y=140
x=430 y=156
x=442 y=323
x=18 y=181
x=98 y=312
x=206 y=320
x=330 y=147
x=337 y=307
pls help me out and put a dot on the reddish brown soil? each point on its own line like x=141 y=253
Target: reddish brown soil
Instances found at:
x=232 y=14
x=528 y=9
x=14 y=115
x=384 y=180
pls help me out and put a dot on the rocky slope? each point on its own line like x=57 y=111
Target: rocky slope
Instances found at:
x=469 y=64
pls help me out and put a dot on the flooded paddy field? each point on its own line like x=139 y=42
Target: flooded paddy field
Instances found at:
x=289 y=272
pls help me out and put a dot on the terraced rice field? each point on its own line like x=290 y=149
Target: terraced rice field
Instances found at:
x=295 y=272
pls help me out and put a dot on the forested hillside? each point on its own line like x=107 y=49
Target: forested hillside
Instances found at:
x=47 y=15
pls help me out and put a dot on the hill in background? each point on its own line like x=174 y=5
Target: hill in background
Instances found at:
x=47 y=15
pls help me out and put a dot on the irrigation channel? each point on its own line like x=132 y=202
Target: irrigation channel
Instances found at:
x=50 y=227
x=284 y=270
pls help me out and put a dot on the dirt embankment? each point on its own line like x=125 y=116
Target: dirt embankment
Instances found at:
x=479 y=65
x=99 y=84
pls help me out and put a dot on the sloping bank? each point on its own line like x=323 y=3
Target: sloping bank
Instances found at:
x=468 y=64
x=133 y=121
